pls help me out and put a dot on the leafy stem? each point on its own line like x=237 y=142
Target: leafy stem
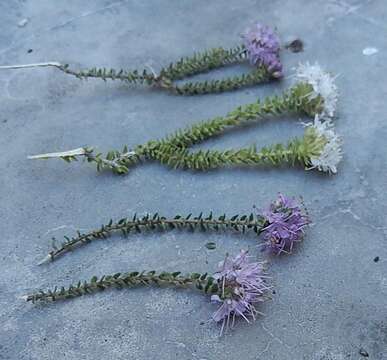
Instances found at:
x=275 y=155
x=239 y=223
x=172 y=149
x=183 y=68
x=201 y=282
x=204 y=62
x=292 y=101
x=298 y=150
x=256 y=76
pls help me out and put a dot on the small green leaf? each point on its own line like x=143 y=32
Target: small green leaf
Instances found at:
x=195 y=276
x=210 y=246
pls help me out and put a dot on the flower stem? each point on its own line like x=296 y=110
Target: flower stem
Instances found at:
x=290 y=102
x=193 y=135
x=175 y=145
x=183 y=68
x=133 y=279
x=33 y=65
x=274 y=155
x=129 y=76
x=257 y=76
x=159 y=223
x=204 y=62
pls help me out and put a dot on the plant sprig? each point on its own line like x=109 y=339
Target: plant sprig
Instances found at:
x=155 y=222
x=203 y=62
x=238 y=286
x=184 y=68
x=172 y=150
x=256 y=76
x=293 y=101
x=295 y=152
x=202 y=282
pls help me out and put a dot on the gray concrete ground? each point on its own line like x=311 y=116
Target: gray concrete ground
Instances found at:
x=330 y=299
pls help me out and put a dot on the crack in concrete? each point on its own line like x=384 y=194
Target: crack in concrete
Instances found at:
x=88 y=13
x=274 y=337
x=348 y=9
x=357 y=218
x=14 y=44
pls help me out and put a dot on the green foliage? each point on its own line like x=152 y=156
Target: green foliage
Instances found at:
x=256 y=76
x=155 y=222
x=134 y=76
x=275 y=155
x=173 y=149
x=118 y=162
x=203 y=62
x=183 y=68
x=131 y=279
x=293 y=101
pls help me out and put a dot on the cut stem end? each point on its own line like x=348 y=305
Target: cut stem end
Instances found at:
x=74 y=152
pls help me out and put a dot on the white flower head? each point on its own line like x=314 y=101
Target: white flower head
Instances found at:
x=331 y=153
x=323 y=85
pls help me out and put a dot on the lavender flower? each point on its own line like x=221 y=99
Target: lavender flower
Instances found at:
x=241 y=285
x=263 y=46
x=286 y=221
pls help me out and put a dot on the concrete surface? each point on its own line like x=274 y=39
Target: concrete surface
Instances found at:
x=330 y=296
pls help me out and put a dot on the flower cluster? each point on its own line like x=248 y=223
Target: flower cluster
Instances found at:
x=263 y=47
x=323 y=85
x=328 y=144
x=241 y=285
x=286 y=221
x=320 y=138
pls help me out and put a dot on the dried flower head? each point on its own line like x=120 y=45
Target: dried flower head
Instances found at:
x=324 y=145
x=263 y=46
x=241 y=285
x=323 y=85
x=286 y=221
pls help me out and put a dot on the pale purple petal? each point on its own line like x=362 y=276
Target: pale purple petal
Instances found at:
x=263 y=46
x=286 y=222
x=241 y=285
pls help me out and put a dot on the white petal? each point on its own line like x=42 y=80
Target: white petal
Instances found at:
x=323 y=85
x=331 y=154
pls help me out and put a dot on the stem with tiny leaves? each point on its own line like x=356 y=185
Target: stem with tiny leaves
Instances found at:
x=183 y=68
x=239 y=223
x=202 y=282
x=172 y=150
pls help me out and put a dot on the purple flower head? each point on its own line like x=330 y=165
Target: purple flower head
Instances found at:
x=286 y=220
x=263 y=46
x=241 y=285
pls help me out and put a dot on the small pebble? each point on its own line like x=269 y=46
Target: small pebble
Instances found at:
x=370 y=51
x=364 y=353
x=376 y=259
x=295 y=46
x=22 y=23
x=210 y=246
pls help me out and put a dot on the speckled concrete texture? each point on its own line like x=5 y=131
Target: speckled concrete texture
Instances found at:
x=330 y=299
